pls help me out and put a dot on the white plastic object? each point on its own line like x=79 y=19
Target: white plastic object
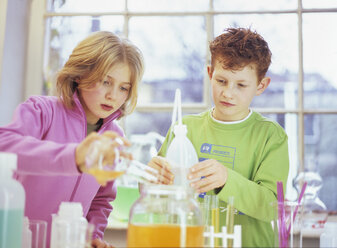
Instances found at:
x=328 y=238
x=180 y=154
x=69 y=227
x=12 y=203
x=26 y=234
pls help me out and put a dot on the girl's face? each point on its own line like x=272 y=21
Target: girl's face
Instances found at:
x=107 y=96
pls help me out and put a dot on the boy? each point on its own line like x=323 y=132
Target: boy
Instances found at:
x=241 y=153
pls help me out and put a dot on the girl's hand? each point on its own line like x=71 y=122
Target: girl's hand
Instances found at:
x=97 y=243
x=164 y=176
x=211 y=175
x=108 y=150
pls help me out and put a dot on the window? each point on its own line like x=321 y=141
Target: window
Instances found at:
x=174 y=35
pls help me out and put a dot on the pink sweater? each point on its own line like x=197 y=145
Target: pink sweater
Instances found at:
x=44 y=135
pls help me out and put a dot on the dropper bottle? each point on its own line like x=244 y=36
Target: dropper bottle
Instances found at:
x=181 y=153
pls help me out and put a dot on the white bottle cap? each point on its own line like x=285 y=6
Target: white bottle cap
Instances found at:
x=180 y=130
x=70 y=210
x=8 y=164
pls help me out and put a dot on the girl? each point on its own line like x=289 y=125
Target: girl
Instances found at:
x=51 y=135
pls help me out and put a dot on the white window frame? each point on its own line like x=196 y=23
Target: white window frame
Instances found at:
x=34 y=70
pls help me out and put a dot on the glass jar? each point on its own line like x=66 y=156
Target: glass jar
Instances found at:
x=165 y=216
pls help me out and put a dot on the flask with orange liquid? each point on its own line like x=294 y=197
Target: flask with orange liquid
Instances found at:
x=103 y=171
x=165 y=216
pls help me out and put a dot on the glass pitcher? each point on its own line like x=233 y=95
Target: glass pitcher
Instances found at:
x=165 y=216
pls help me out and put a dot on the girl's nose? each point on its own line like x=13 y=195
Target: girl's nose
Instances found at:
x=111 y=93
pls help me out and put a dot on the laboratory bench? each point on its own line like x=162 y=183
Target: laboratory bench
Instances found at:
x=116 y=233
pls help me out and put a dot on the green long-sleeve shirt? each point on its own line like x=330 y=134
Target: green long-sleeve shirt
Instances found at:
x=255 y=152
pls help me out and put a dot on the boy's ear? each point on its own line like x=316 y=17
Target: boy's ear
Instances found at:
x=209 y=71
x=263 y=85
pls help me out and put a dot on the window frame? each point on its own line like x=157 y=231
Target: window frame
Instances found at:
x=35 y=58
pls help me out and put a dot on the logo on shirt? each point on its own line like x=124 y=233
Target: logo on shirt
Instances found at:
x=224 y=154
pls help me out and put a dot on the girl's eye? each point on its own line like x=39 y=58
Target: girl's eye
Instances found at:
x=221 y=81
x=107 y=83
x=242 y=85
x=125 y=89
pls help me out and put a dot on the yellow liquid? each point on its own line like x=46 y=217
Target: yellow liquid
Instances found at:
x=163 y=236
x=215 y=223
x=103 y=176
x=230 y=224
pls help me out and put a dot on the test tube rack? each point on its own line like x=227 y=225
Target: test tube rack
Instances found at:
x=236 y=236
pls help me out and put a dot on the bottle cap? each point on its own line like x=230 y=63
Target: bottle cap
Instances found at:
x=8 y=164
x=70 y=210
x=180 y=130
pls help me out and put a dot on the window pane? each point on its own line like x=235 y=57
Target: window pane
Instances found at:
x=65 y=33
x=140 y=123
x=86 y=5
x=167 y=5
x=319 y=55
x=289 y=122
x=244 y=5
x=276 y=30
x=319 y=4
x=320 y=147
x=174 y=57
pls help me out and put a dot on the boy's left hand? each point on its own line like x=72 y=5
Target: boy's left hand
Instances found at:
x=211 y=173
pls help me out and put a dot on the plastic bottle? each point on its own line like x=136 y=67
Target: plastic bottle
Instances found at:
x=328 y=237
x=69 y=227
x=26 y=234
x=12 y=203
x=181 y=153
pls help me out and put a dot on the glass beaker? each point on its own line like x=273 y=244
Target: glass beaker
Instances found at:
x=165 y=216
x=287 y=224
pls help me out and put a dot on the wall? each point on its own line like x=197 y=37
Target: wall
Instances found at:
x=13 y=49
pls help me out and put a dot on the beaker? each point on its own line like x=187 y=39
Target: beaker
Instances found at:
x=287 y=224
x=165 y=216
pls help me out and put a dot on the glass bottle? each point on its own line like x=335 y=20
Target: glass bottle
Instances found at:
x=165 y=216
x=315 y=212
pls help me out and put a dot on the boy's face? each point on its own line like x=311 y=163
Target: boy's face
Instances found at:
x=107 y=96
x=233 y=91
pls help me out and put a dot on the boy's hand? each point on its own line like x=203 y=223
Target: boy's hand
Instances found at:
x=165 y=176
x=214 y=175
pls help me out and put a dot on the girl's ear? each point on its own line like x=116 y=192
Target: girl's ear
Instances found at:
x=262 y=85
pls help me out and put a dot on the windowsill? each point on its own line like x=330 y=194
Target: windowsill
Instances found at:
x=116 y=224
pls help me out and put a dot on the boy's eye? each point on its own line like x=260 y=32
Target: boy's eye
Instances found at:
x=221 y=81
x=242 y=85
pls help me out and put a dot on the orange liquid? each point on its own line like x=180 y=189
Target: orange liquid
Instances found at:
x=163 y=236
x=102 y=176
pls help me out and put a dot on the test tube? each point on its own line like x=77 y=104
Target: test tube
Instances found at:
x=215 y=217
x=230 y=220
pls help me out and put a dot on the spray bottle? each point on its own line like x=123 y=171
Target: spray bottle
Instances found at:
x=181 y=153
x=12 y=203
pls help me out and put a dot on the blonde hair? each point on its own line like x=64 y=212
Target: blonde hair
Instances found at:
x=91 y=60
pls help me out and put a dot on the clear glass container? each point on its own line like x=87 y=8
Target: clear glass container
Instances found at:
x=315 y=212
x=165 y=216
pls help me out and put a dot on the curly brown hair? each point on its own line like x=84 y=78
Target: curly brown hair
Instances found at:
x=239 y=47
